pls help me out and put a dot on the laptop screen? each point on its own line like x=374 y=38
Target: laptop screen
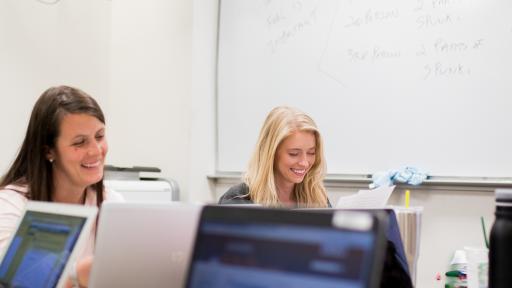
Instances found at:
x=40 y=249
x=281 y=254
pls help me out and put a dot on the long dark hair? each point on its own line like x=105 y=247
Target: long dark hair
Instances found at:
x=31 y=167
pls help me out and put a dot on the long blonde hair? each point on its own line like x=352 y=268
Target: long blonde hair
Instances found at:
x=280 y=123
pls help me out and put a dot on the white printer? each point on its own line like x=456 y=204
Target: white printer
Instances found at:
x=129 y=183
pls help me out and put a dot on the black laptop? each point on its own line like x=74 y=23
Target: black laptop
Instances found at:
x=259 y=247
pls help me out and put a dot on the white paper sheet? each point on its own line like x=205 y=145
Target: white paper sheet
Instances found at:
x=366 y=199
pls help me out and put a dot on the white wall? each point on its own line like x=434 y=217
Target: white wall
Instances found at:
x=202 y=148
x=45 y=45
x=150 y=96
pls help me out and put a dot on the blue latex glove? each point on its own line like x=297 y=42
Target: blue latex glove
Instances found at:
x=408 y=175
x=382 y=179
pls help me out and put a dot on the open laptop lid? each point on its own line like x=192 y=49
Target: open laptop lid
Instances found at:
x=258 y=247
x=148 y=243
x=48 y=239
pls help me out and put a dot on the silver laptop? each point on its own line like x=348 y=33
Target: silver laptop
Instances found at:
x=49 y=237
x=142 y=244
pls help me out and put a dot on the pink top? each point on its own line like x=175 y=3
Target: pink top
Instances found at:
x=12 y=205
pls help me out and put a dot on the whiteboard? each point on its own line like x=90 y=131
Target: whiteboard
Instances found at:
x=389 y=83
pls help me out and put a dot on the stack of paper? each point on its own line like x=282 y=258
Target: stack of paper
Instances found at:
x=367 y=199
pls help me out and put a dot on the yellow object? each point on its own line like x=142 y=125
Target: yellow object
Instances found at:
x=407 y=198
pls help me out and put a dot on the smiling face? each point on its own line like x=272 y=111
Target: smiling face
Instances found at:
x=79 y=152
x=294 y=157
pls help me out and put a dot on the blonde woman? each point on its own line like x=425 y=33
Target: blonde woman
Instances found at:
x=288 y=165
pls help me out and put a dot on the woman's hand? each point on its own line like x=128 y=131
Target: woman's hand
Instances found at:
x=83 y=270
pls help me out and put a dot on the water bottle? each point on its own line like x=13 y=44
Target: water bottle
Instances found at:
x=500 y=249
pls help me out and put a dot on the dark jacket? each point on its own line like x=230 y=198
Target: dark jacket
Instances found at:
x=238 y=194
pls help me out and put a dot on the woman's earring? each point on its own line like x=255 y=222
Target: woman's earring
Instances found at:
x=51 y=160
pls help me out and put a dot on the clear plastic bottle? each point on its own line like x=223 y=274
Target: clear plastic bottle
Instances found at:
x=456 y=276
x=500 y=249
